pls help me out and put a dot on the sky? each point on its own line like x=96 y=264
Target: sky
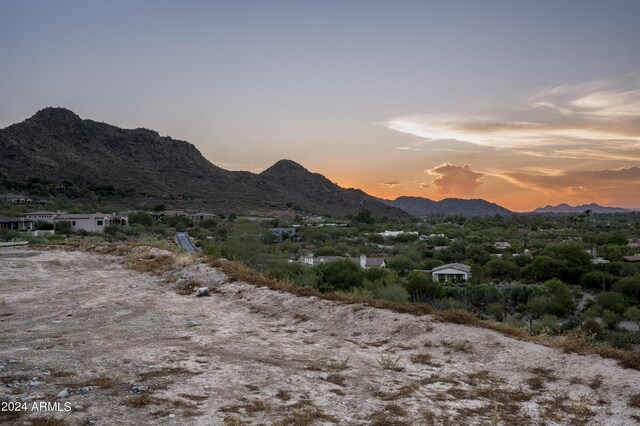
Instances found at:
x=521 y=103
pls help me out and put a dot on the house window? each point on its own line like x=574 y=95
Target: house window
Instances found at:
x=99 y=223
x=73 y=223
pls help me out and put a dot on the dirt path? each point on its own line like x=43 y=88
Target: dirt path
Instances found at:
x=126 y=349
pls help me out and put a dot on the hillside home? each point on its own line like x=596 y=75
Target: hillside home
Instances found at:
x=15 y=198
x=282 y=234
x=634 y=258
x=394 y=234
x=452 y=273
x=501 y=245
x=15 y=223
x=363 y=261
x=41 y=216
x=91 y=222
x=634 y=243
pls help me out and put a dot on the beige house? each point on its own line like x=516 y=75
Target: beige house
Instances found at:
x=90 y=222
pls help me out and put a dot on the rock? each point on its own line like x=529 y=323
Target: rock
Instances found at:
x=171 y=416
x=202 y=291
x=57 y=321
x=132 y=286
x=137 y=389
x=35 y=384
x=192 y=323
x=323 y=376
x=14 y=361
x=64 y=393
x=83 y=391
x=78 y=408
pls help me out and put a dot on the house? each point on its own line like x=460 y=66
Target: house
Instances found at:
x=451 y=273
x=394 y=234
x=599 y=261
x=15 y=223
x=634 y=243
x=282 y=234
x=41 y=216
x=363 y=261
x=15 y=198
x=634 y=258
x=502 y=245
x=91 y=222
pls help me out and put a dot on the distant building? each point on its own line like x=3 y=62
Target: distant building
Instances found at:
x=15 y=198
x=282 y=234
x=634 y=243
x=394 y=234
x=634 y=258
x=42 y=216
x=502 y=245
x=599 y=261
x=91 y=222
x=362 y=260
x=452 y=273
x=15 y=223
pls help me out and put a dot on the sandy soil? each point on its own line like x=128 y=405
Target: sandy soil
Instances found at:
x=129 y=350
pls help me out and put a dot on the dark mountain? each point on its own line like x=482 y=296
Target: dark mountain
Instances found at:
x=56 y=153
x=566 y=208
x=307 y=190
x=418 y=206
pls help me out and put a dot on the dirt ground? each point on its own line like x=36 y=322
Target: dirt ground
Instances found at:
x=122 y=347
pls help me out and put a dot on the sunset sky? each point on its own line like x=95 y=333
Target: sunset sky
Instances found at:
x=521 y=103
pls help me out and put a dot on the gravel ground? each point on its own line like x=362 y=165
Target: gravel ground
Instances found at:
x=102 y=344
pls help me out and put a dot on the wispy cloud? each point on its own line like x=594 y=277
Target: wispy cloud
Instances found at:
x=589 y=119
x=391 y=184
x=459 y=179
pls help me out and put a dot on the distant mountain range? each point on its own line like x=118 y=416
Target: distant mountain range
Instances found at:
x=418 y=206
x=101 y=163
x=566 y=208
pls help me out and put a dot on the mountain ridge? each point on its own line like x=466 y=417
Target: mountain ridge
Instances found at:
x=419 y=206
x=97 y=161
x=566 y=208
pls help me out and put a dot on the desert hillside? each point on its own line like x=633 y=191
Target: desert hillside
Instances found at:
x=123 y=346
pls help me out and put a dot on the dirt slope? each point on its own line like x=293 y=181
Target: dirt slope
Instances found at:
x=120 y=342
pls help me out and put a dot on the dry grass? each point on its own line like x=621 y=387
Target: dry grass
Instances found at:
x=306 y=417
x=169 y=371
x=388 y=363
x=458 y=345
x=283 y=395
x=188 y=286
x=426 y=359
x=250 y=407
x=634 y=401
x=337 y=379
x=47 y=421
x=339 y=365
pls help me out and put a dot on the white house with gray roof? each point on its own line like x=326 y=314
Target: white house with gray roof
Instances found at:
x=451 y=273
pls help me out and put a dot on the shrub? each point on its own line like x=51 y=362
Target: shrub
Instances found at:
x=594 y=328
x=611 y=319
x=341 y=274
x=62 y=227
x=612 y=301
x=394 y=292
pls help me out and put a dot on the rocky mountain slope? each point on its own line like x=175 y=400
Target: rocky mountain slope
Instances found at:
x=418 y=206
x=566 y=208
x=93 y=160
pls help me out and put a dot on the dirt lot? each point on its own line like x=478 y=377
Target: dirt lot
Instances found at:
x=122 y=347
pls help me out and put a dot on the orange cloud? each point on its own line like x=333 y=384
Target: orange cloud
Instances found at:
x=458 y=179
